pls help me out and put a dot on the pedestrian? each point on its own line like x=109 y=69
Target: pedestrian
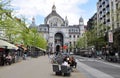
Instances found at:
x=65 y=62
x=73 y=62
x=9 y=59
x=117 y=56
x=44 y=53
x=3 y=59
x=25 y=55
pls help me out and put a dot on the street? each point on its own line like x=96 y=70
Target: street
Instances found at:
x=93 y=68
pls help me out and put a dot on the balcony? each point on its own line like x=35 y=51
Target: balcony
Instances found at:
x=107 y=18
x=108 y=23
x=103 y=14
x=107 y=5
x=103 y=3
x=107 y=10
x=100 y=6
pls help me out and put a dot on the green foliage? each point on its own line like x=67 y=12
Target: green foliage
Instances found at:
x=16 y=30
x=90 y=38
x=36 y=39
x=81 y=42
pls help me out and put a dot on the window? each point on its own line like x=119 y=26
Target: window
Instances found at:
x=40 y=29
x=51 y=24
x=70 y=36
x=117 y=7
x=72 y=30
x=44 y=29
x=118 y=25
x=76 y=30
x=70 y=44
x=74 y=36
x=74 y=43
x=69 y=30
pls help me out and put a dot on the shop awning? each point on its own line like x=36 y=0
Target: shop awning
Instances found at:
x=4 y=44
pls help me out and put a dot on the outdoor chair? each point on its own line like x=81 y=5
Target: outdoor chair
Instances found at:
x=56 y=69
x=65 y=70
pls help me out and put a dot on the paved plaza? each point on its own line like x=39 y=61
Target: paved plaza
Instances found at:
x=40 y=67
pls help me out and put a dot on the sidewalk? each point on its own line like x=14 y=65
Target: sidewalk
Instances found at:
x=40 y=67
x=47 y=67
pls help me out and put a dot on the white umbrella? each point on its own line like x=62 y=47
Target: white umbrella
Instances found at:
x=9 y=45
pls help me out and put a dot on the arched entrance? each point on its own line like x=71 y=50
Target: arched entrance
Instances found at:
x=58 y=41
x=58 y=48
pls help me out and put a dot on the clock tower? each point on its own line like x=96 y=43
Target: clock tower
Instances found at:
x=81 y=21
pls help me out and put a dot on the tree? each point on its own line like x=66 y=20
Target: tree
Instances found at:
x=81 y=42
x=16 y=30
x=5 y=13
x=36 y=39
x=95 y=39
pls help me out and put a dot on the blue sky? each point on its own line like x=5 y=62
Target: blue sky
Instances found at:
x=39 y=9
x=90 y=8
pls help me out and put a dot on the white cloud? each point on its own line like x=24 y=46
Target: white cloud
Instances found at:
x=30 y=8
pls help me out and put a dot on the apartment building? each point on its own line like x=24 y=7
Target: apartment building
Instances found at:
x=108 y=19
x=103 y=16
x=108 y=14
x=115 y=13
x=91 y=24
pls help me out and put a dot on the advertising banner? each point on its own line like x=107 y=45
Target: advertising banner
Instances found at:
x=110 y=37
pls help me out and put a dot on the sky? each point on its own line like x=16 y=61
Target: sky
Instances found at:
x=39 y=9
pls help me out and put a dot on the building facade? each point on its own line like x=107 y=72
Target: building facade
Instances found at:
x=58 y=32
x=108 y=21
x=91 y=24
x=115 y=5
x=116 y=25
x=103 y=15
x=108 y=16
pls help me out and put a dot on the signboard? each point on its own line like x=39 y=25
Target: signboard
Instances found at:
x=110 y=37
